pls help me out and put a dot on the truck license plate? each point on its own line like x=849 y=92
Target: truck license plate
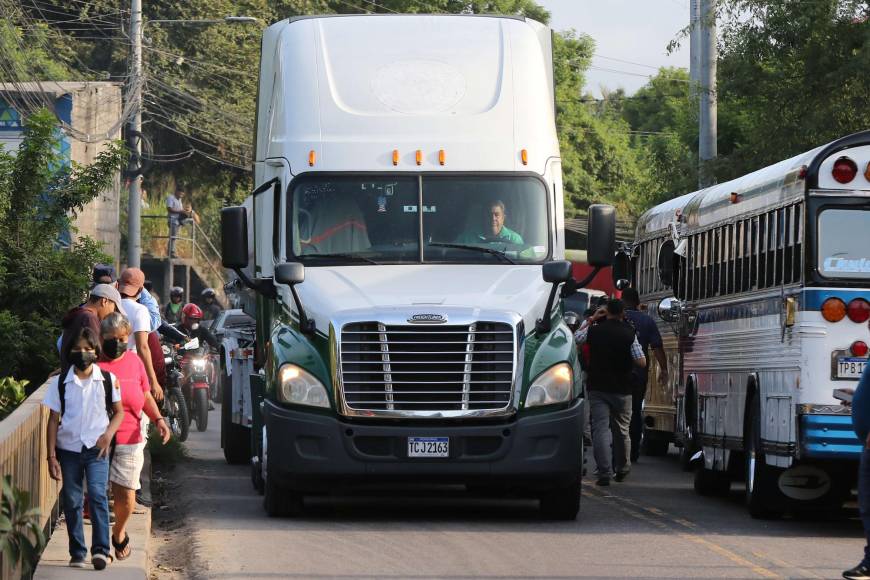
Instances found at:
x=428 y=447
x=850 y=367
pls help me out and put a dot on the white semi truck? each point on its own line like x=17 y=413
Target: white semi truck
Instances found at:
x=402 y=255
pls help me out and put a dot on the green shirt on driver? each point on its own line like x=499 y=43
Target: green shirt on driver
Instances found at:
x=505 y=235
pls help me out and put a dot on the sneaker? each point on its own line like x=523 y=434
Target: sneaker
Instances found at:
x=859 y=572
x=100 y=561
x=621 y=476
x=603 y=481
x=77 y=563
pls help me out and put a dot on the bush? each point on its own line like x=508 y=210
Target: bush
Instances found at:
x=21 y=537
x=40 y=281
x=11 y=394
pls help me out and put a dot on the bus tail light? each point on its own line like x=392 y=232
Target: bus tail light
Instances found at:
x=833 y=310
x=859 y=348
x=844 y=170
x=858 y=310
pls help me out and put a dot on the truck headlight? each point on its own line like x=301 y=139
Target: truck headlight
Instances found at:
x=299 y=387
x=554 y=385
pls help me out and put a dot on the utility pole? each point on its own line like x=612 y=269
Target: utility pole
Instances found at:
x=694 y=44
x=708 y=120
x=134 y=209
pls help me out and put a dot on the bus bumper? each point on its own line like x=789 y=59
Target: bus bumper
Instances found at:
x=829 y=437
x=312 y=452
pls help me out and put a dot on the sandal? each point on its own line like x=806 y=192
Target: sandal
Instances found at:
x=121 y=546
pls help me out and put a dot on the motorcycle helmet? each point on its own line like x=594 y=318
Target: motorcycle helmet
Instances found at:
x=176 y=291
x=191 y=314
x=208 y=293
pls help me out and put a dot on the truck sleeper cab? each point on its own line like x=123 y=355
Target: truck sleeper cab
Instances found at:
x=407 y=246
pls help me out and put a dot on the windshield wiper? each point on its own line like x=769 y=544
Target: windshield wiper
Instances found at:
x=483 y=249
x=339 y=256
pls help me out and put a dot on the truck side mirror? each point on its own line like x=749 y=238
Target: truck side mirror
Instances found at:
x=290 y=273
x=234 y=237
x=601 y=235
x=556 y=272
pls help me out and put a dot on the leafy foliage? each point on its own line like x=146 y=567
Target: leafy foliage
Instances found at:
x=21 y=537
x=39 y=281
x=11 y=394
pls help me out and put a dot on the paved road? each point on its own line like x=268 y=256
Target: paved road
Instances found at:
x=651 y=526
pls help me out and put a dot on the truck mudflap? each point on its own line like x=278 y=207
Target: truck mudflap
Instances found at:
x=829 y=437
x=313 y=452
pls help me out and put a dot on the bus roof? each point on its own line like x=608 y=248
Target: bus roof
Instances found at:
x=772 y=185
x=357 y=87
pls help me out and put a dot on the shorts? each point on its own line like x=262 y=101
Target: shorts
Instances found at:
x=127 y=465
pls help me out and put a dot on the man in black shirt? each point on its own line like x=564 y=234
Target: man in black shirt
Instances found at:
x=650 y=339
x=613 y=353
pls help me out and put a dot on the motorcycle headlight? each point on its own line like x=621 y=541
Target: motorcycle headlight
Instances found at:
x=199 y=365
x=167 y=360
x=552 y=386
x=298 y=386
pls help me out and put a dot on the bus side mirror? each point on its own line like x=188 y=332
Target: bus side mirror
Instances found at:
x=666 y=264
x=601 y=235
x=670 y=310
x=234 y=237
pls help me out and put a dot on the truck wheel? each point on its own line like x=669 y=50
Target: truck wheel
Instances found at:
x=655 y=445
x=711 y=483
x=280 y=501
x=235 y=439
x=179 y=423
x=200 y=398
x=561 y=503
x=762 y=495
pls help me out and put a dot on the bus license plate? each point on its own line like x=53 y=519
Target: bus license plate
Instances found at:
x=850 y=367
x=428 y=447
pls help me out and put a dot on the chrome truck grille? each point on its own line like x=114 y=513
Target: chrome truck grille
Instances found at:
x=408 y=370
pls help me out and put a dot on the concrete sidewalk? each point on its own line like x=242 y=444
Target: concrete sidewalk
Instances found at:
x=54 y=563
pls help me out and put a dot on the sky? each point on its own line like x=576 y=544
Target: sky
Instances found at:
x=636 y=31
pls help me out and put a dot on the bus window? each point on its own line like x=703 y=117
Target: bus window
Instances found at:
x=798 y=244
x=844 y=243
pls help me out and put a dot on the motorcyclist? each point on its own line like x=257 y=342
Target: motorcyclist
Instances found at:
x=191 y=317
x=172 y=311
x=210 y=306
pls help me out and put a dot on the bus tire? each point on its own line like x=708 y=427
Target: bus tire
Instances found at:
x=690 y=443
x=655 y=445
x=280 y=501
x=235 y=439
x=762 y=494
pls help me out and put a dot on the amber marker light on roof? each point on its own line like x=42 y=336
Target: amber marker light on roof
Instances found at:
x=442 y=157
x=524 y=155
x=419 y=157
x=395 y=156
x=312 y=158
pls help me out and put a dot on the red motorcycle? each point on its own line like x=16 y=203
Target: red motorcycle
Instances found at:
x=197 y=370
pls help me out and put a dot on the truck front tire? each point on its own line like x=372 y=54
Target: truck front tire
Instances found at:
x=280 y=502
x=561 y=503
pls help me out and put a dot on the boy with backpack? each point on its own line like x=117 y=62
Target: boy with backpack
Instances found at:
x=86 y=412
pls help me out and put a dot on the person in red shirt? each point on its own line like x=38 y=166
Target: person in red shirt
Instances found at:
x=136 y=398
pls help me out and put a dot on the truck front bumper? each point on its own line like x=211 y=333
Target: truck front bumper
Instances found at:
x=312 y=452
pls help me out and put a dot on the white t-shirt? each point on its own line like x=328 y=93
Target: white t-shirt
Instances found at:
x=84 y=418
x=139 y=319
x=174 y=203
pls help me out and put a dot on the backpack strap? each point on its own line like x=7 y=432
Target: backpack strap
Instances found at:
x=61 y=391
x=109 y=382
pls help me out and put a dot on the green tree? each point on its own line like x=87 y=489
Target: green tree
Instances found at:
x=40 y=281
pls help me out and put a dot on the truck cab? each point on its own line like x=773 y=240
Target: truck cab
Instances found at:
x=403 y=254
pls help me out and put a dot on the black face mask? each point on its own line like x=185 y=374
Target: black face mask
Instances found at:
x=82 y=359
x=114 y=348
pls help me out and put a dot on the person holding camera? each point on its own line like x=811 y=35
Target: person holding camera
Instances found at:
x=613 y=353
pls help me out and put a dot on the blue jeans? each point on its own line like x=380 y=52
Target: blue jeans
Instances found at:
x=74 y=468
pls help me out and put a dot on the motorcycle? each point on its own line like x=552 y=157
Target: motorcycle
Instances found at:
x=196 y=366
x=174 y=404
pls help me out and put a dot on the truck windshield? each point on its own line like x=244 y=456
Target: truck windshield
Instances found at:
x=844 y=243
x=465 y=219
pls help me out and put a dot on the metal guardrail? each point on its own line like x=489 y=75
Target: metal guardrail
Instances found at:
x=24 y=456
x=195 y=246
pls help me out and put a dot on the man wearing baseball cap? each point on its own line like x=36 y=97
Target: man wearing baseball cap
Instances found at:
x=102 y=301
x=130 y=285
